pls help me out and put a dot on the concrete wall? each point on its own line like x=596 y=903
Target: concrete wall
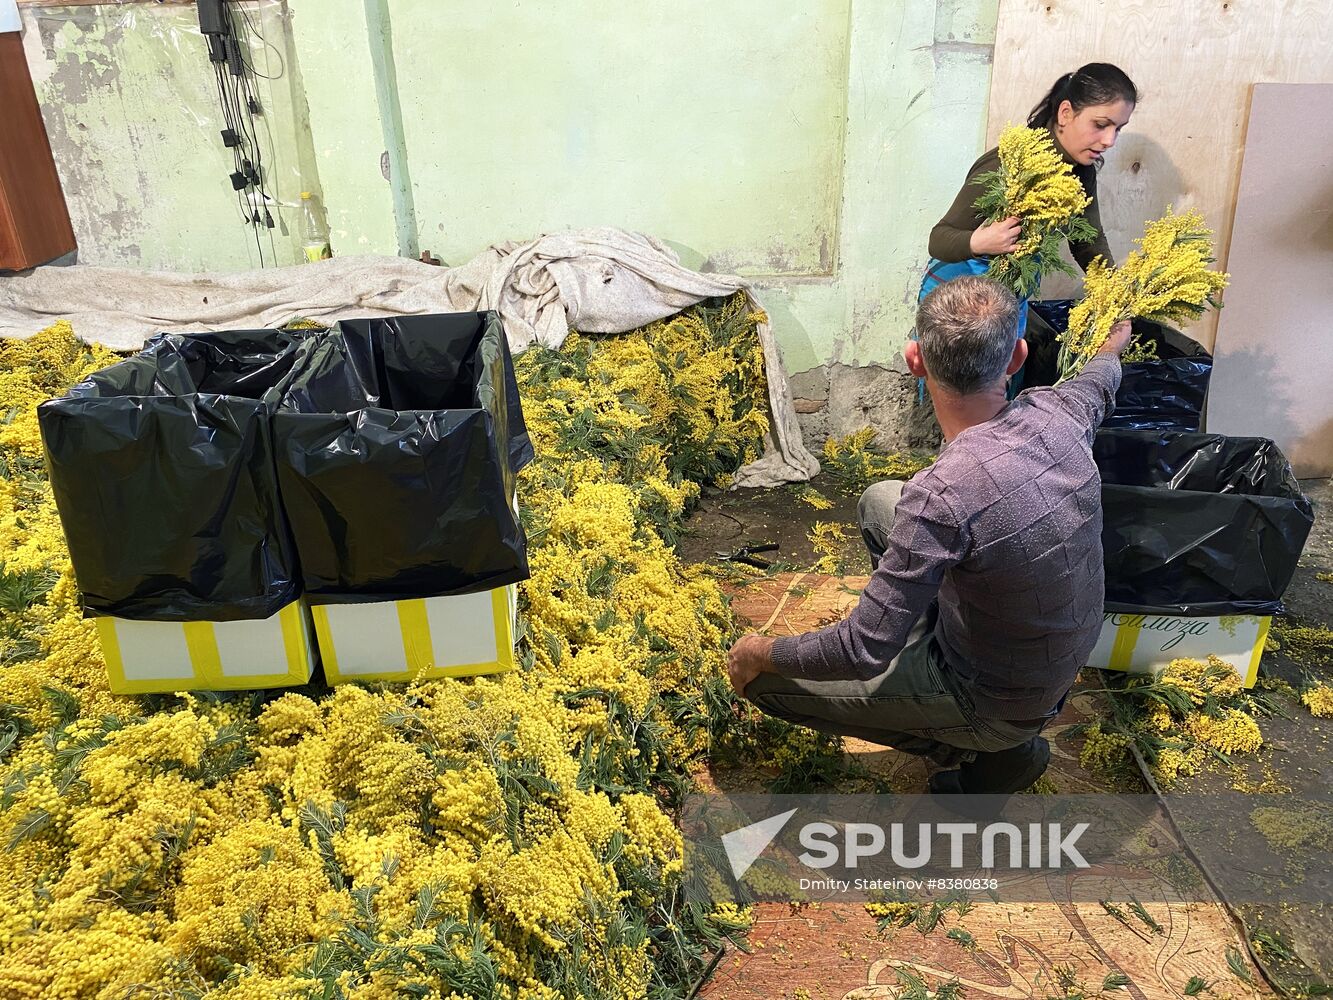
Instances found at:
x=918 y=80
x=808 y=146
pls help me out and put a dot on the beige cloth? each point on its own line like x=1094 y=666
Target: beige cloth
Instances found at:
x=597 y=280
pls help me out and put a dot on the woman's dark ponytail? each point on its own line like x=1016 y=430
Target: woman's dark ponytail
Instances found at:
x=1095 y=83
x=1044 y=113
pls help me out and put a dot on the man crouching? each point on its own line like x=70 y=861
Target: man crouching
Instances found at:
x=987 y=593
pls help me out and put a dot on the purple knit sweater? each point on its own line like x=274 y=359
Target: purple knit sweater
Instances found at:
x=1005 y=528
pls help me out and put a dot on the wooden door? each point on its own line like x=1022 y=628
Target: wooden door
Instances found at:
x=34 y=223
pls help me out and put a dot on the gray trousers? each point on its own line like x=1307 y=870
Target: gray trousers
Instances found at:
x=917 y=705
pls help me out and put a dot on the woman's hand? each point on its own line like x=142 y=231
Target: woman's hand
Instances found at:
x=998 y=237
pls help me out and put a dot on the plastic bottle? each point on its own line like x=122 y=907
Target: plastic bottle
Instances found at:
x=314 y=236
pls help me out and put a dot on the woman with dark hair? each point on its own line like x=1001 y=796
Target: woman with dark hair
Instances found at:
x=1084 y=111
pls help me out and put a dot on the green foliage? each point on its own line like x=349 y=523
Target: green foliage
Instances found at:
x=1023 y=273
x=1236 y=963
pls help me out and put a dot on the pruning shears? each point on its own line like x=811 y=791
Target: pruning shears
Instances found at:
x=746 y=554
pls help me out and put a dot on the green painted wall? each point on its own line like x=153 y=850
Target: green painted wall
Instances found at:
x=690 y=119
x=918 y=83
x=334 y=56
x=810 y=146
x=811 y=149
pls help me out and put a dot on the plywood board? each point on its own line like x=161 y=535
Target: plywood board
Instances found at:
x=1193 y=63
x=834 y=951
x=1274 y=352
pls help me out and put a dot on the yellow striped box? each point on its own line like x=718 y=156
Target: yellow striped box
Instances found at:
x=160 y=657
x=459 y=636
x=1147 y=643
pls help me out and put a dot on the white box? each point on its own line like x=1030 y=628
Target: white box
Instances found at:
x=161 y=657
x=459 y=636
x=1147 y=643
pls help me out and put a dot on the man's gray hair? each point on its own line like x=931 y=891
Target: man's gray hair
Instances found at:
x=967 y=328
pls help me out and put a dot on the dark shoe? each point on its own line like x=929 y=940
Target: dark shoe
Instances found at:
x=945 y=783
x=1006 y=771
x=946 y=792
x=980 y=789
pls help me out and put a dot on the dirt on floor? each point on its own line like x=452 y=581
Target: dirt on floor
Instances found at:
x=836 y=950
x=785 y=516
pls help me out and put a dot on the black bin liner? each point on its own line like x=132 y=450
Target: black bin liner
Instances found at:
x=398 y=447
x=163 y=472
x=1198 y=524
x=1168 y=394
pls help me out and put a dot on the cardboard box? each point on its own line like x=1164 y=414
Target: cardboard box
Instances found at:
x=160 y=657
x=1147 y=643
x=407 y=640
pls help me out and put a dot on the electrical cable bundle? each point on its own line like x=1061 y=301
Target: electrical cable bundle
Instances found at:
x=228 y=41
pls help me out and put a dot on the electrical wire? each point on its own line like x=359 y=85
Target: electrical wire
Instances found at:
x=251 y=102
x=227 y=116
x=235 y=150
x=245 y=195
x=251 y=197
x=282 y=63
x=237 y=96
x=246 y=116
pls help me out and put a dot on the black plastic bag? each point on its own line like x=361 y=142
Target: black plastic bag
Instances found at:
x=1055 y=312
x=1198 y=524
x=398 y=448
x=162 y=470
x=1167 y=394
x=1045 y=323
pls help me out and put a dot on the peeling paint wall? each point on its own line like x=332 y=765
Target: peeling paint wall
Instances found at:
x=812 y=148
x=131 y=109
x=918 y=85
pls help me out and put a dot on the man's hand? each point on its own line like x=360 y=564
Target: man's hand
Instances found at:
x=750 y=657
x=998 y=237
x=1118 y=339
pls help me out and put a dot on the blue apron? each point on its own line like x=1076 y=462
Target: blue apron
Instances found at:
x=937 y=273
